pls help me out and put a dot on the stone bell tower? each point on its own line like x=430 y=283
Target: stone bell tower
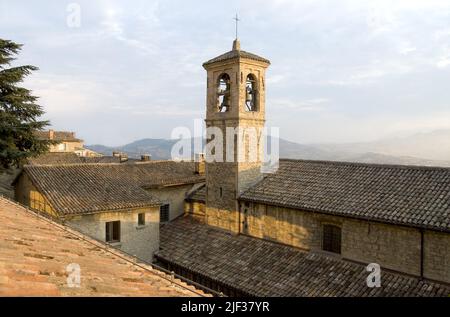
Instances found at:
x=235 y=103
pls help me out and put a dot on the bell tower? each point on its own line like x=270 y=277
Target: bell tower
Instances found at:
x=235 y=108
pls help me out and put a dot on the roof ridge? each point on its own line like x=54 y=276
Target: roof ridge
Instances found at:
x=401 y=166
x=99 y=163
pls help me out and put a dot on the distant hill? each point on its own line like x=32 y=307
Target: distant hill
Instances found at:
x=433 y=146
x=402 y=151
x=160 y=149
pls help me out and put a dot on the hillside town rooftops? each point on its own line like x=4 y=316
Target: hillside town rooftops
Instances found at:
x=37 y=255
x=405 y=195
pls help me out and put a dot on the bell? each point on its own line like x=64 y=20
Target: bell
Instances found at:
x=226 y=101
x=249 y=96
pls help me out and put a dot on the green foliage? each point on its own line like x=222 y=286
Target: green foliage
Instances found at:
x=19 y=113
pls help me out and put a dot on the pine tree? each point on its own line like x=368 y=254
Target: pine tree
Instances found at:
x=19 y=113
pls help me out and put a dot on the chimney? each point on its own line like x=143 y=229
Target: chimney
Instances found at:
x=146 y=157
x=123 y=157
x=51 y=134
x=200 y=163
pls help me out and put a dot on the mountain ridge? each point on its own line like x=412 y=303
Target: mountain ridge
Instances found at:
x=392 y=151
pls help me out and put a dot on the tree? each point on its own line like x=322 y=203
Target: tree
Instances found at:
x=19 y=113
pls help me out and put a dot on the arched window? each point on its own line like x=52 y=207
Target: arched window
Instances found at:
x=223 y=93
x=251 y=93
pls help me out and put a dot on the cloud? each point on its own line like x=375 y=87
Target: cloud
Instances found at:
x=316 y=104
x=138 y=64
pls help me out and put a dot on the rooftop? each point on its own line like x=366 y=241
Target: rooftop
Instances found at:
x=86 y=188
x=55 y=158
x=262 y=268
x=406 y=195
x=199 y=194
x=34 y=254
x=236 y=53
x=62 y=136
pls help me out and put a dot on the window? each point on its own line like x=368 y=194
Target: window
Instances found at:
x=164 y=213
x=221 y=192
x=331 y=239
x=113 y=231
x=250 y=93
x=62 y=147
x=141 y=219
x=223 y=93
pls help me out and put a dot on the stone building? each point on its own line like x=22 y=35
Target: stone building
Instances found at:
x=309 y=229
x=326 y=220
x=122 y=204
x=67 y=142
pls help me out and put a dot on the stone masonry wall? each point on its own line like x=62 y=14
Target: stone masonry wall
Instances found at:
x=174 y=196
x=393 y=247
x=140 y=241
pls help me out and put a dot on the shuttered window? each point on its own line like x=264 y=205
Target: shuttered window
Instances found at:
x=332 y=239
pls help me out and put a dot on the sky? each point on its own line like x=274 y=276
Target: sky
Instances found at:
x=341 y=71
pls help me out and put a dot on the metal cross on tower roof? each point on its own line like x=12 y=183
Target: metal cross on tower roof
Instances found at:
x=237 y=21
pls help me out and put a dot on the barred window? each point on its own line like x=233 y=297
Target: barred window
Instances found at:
x=331 y=239
x=164 y=212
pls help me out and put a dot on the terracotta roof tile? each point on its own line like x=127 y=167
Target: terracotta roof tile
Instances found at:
x=34 y=254
x=408 y=195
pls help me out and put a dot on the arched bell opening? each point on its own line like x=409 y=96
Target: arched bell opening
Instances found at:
x=223 y=93
x=251 y=93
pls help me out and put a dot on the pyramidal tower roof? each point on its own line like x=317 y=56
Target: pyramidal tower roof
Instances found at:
x=236 y=53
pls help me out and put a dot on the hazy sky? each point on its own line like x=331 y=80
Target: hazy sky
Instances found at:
x=341 y=70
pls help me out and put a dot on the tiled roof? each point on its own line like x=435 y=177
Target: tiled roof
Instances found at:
x=405 y=195
x=84 y=188
x=35 y=252
x=262 y=268
x=236 y=54
x=105 y=159
x=199 y=194
x=58 y=136
x=55 y=158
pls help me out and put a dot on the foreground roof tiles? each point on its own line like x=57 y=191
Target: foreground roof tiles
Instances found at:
x=35 y=252
x=406 y=195
x=262 y=268
x=86 y=188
